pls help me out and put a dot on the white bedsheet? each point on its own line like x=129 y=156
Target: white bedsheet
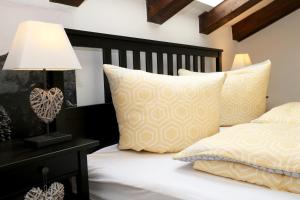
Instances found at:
x=128 y=175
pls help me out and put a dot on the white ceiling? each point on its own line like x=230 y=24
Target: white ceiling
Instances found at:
x=211 y=3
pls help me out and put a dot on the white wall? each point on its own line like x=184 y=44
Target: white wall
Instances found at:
x=280 y=43
x=119 y=17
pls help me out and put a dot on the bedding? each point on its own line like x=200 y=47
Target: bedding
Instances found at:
x=244 y=93
x=160 y=113
x=270 y=148
x=127 y=175
x=288 y=113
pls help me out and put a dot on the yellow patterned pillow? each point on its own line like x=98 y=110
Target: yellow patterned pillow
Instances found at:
x=266 y=148
x=248 y=174
x=287 y=113
x=160 y=113
x=244 y=93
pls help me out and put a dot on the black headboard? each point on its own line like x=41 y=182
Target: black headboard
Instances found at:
x=99 y=121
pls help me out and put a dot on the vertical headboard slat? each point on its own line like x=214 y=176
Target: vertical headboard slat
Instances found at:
x=160 y=63
x=179 y=62
x=136 y=59
x=122 y=58
x=149 y=62
x=170 y=63
x=219 y=62
x=202 y=66
x=195 y=63
x=107 y=60
x=187 y=62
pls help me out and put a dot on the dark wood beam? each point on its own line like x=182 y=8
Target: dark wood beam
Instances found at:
x=159 y=11
x=263 y=18
x=75 y=3
x=223 y=13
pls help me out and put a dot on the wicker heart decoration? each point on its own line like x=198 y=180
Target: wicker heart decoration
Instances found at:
x=54 y=192
x=46 y=103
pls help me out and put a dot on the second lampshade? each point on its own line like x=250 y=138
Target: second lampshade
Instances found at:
x=241 y=60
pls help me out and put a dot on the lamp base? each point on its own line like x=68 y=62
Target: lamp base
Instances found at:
x=47 y=139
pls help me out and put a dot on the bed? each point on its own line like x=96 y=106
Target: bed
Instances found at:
x=115 y=174
x=122 y=175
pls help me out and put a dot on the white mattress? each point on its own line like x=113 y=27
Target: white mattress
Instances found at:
x=127 y=175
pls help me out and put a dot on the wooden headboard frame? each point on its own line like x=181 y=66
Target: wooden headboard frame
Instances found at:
x=99 y=121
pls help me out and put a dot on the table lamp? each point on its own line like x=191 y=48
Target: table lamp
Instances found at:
x=240 y=61
x=43 y=47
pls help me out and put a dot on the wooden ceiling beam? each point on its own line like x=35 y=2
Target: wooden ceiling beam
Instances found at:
x=159 y=11
x=223 y=13
x=75 y=3
x=263 y=18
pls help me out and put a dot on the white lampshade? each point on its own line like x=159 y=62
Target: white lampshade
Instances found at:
x=39 y=46
x=241 y=60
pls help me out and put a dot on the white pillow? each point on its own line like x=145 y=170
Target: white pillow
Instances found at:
x=160 y=113
x=244 y=93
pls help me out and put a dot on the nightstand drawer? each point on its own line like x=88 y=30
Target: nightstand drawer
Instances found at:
x=30 y=173
x=21 y=167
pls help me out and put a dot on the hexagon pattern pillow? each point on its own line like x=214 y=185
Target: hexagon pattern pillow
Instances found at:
x=244 y=93
x=288 y=113
x=160 y=113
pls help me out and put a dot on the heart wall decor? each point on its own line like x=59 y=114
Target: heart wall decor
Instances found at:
x=54 y=192
x=46 y=104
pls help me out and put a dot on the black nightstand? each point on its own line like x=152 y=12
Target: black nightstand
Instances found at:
x=21 y=166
